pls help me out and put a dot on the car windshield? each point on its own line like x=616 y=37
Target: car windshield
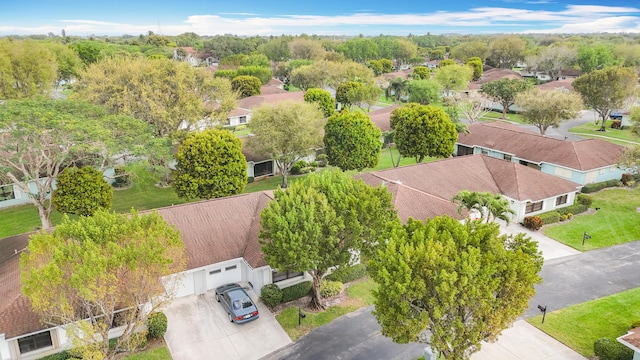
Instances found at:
x=241 y=303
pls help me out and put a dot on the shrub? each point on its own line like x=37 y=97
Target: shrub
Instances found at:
x=348 y=273
x=296 y=169
x=635 y=324
x=330 y=288
x=626 y=177
x=296 y=291
x=156 y=325
x=271 y=295
x=549 y=217
x=313 y=164
x=573 y=209
x=584 y=200
x=322 y=160
x=564 y=217
x=608 y=349
x=616 y=124
x=138 y=340
x=532 y=222
x=63 y=355
x=589 y=188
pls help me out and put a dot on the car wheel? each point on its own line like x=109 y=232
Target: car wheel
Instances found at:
x=217 y=298
x=230 y=318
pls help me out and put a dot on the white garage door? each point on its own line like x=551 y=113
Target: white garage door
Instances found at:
x=224 y=274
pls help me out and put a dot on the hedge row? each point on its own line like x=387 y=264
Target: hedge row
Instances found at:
x=551 y=217
x=272 y=295
x=348 y=273
x=589 y=188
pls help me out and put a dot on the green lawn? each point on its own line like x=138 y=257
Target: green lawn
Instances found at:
x=580 y=325
x=159 y=353
x=590 y=129
x=358 y=295
x=497 y=115
x=616 y=222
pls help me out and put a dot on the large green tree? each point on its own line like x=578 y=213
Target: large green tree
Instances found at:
x=246 y=85
x=461 y=283
x=352 y=141
x=210 y=165
x=81 y=191
x=86 y=270
x=164 y=93
x=343 y=90
x=41 y=137
x=68 y=61
x=319 y=221
x=547 y=108
x=607 y=89
x=27 y=69
x=454 y=77
x=553 y=60
x=504 y=91
x=323 y=99
x=595 y=57
x=423 y=130
x=476 y=64
x=286 y=131
x=423 y=91
x=263 y=73
x=506 y=51
x=470 y=49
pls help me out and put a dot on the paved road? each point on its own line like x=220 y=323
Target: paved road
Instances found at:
x=569 y=280
x=591 y=275
x=355 y=336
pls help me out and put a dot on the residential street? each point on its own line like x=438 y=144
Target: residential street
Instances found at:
x=572 y=279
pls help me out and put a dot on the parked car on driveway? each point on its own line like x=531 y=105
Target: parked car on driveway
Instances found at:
x=237 y=302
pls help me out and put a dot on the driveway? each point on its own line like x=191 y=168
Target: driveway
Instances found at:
x=200 y=329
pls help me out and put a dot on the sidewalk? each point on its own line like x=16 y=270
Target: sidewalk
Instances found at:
x=524 y=341
x=550 y=248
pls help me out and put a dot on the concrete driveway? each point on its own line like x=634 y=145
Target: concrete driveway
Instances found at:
x=200 y=329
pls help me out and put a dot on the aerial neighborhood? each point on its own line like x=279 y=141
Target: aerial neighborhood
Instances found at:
x=194 y=196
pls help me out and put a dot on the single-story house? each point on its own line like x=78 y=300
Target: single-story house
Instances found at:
x=221 y=240
x=566 y=84
x=242 y=113
x=492 y=74
x=582 y=161
x=632 y=340
x=426 y=189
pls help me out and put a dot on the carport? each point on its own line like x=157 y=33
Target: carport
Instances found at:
x=200 y=329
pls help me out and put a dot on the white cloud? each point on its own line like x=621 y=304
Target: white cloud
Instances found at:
x=574 y=19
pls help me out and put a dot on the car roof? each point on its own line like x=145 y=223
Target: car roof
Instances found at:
x=237 y=293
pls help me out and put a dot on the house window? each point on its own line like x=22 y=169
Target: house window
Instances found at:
x=464 y=150
x=6 y=193
x=35 y=342
x=243 y=119
x=529 y=164
x=232 y=267
x=484 y=152
x=263 y=168
x=284 y=275
x=532 y=207
x=561 y=200
x=216 y=271
x=507 y=157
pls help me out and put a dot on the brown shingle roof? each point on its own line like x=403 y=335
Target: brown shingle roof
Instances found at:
x=558 y=84
x=492 y=75
x=253 y=101
x=632 y=337
x=442 y=179
x=381 y=117
x=16 y=317
x=270 y=90
x=581 y=155
x=220 y=229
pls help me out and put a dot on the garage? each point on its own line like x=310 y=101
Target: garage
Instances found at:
x=199 y=328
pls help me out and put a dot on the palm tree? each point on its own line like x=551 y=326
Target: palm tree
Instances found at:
x=395 y=89
x=499 y=207
x=489 y=205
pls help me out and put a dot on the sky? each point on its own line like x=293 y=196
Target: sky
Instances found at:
x=326 y=17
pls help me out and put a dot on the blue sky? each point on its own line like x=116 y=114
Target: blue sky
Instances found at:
x=328 y=17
